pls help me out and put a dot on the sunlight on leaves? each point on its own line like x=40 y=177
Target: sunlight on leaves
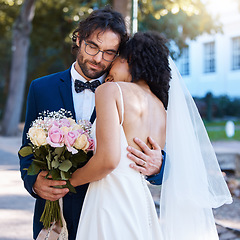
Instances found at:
x=65 y=9
x=9 y=2
x=175 y=10
x=76 y=18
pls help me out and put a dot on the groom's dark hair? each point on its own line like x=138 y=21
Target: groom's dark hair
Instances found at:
x=147 y=56
x=103 y=19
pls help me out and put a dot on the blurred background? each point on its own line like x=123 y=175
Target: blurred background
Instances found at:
x=204 y=40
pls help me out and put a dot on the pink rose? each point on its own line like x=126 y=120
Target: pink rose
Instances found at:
x=70 y=138
x=80 y=131
x=55 y=137
x=91 y=146
x=64 y=122
x=51 y=123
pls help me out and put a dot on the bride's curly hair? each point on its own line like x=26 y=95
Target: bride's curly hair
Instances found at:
x=147 y=56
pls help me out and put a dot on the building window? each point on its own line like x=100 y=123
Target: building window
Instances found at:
x=209 y=57
x=235 y=53
x=184 y=62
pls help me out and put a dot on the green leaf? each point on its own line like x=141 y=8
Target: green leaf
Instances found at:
x=58 y=151
x=67 y=155
x=74 y=165
x=70 y=187
x=25 y=151
x=33 y=169
x=38 y=152
x=44 y=150
x=42 y=165
x=48 y=157
x=65 y=166
x=55 y=174
x=55 y=164
x=80 y=157
x=65 y=175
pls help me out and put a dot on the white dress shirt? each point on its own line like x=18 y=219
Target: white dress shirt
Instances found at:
x=83 y=102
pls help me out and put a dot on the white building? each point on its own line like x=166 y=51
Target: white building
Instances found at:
x=211 y=63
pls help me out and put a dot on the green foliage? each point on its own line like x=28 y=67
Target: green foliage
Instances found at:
x=219 y=107
x=25 y=151
x=219 y=124
x=7 y=16
x=34 y=168
x=227 y=106
x=178 y=20
x=55 y=20
x=53 y=25
x=219 y=134
x=59 y=162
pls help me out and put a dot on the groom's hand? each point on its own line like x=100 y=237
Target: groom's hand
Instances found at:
x=44 y=187
x=148 y=161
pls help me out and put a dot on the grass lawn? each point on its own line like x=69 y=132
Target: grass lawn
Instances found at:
x=216 y=131
x=219 y=123
x=221 y=135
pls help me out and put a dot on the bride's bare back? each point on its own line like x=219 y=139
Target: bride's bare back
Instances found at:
x=144 y=113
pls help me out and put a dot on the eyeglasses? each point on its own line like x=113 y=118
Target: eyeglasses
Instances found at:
x=93 y=50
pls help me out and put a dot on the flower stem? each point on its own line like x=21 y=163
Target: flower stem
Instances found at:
x=51 y=214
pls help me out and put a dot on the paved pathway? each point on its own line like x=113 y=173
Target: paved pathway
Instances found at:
x=16 y=205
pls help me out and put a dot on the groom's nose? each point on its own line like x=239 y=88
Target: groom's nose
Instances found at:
x=98 y=57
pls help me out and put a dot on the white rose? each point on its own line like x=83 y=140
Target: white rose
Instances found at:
x=37 y=136
x=81 y=142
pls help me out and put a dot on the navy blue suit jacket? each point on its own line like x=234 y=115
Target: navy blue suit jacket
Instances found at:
x=52 y=93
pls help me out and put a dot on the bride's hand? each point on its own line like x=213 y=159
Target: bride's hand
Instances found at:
x=148 y=161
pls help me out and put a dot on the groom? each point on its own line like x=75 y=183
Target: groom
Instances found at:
x=96 y=43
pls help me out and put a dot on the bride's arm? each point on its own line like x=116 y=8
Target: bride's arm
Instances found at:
x=107 y=154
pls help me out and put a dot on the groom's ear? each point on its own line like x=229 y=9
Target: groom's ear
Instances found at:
x=78 y=43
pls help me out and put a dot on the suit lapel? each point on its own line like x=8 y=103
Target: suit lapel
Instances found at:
x=65 y=89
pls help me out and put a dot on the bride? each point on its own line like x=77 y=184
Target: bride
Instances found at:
x=118 y=204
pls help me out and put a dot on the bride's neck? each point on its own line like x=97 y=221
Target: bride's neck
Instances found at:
x=143 y=84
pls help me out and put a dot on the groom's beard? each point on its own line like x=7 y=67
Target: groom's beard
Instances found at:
x=88 y=71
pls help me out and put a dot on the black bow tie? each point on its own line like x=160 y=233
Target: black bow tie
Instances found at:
x=80 y=86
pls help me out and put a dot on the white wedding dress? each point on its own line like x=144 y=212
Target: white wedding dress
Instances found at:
x=119 y=206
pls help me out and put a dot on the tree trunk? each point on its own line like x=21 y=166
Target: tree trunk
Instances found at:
x=125 y=8
x=18 y=73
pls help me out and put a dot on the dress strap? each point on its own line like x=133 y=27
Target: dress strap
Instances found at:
x=121 y=95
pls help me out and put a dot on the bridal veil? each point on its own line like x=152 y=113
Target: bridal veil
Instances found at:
x=193 y=183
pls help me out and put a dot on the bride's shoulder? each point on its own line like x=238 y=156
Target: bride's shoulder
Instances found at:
x=106 y=90
x=112 y=88
x=106 y=87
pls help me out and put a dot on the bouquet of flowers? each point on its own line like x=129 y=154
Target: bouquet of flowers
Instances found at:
x=59 y=145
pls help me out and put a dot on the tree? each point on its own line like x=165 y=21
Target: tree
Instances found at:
x=50 y=42
x=125 y=8
x=178 y=20
x=8 y=16
x=20 y=46
x=53 y=23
